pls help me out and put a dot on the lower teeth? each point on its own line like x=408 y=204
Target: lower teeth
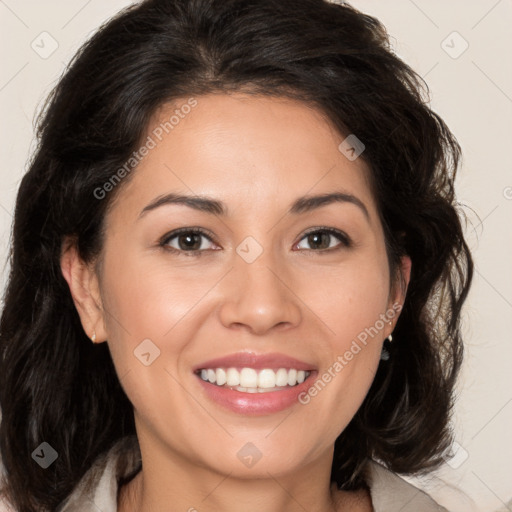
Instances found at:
x=256 y=390
x=253 y=390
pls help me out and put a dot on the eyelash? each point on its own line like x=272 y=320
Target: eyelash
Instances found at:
x=345 y=241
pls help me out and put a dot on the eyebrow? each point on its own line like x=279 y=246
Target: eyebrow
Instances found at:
x=215 y=207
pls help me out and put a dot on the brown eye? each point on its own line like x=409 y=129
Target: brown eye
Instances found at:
x=324 y=239
x=319 y=240
x=186 y=240
x=190 y=241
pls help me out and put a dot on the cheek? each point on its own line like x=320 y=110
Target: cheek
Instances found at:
x=144 y=316
x=146 y=299
x=352 y=303
x=351 y=298
x=151 y=299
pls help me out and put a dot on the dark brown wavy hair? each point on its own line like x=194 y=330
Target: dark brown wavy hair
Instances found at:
x=57 y=386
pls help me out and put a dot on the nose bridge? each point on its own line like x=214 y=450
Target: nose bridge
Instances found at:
x=256 y=294
x=259 y=275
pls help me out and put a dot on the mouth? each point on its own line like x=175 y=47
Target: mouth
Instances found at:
x=250 y=380
x=251 y=384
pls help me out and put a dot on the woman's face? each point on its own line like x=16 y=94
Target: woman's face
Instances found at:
x=277 y=282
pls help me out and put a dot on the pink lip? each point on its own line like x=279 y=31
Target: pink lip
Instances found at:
x=256 y=404
x=256 y=361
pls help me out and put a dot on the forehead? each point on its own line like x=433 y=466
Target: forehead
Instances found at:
x=249 y=151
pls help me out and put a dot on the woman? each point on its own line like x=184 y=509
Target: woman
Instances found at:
x=237 y=270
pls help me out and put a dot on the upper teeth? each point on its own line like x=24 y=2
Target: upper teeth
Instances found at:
x=250 y=378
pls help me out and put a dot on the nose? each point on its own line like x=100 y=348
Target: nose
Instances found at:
x=259 y=296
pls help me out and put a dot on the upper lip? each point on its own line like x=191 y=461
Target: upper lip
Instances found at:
x=256 y=361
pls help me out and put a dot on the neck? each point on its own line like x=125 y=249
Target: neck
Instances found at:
x=192 y=488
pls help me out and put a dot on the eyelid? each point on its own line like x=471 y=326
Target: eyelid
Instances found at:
x=343 y=238
x=339 y=234
x=192 y=229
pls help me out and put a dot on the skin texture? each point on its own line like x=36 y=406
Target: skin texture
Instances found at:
x=257 y=155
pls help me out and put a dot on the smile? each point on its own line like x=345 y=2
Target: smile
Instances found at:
x=250 y=380
x=254 y=384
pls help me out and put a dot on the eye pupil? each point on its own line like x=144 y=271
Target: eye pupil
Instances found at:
x=192 y=241
x=316 y=238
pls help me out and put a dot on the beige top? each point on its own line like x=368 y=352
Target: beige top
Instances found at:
x=99 y=487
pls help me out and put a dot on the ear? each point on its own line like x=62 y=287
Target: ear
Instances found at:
x=399 y=288
x=83 y=284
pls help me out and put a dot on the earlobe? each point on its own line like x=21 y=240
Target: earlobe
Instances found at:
x=403 y=278
x=405 y=272
x=84 y=288
x=401 y=285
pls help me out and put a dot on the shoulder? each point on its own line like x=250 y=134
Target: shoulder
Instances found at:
x=98 y=488
x=4 y=506
x=390 y=492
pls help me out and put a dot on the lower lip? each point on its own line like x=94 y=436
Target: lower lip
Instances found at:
x=256 y=403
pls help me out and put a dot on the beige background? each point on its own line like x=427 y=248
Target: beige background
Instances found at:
x=471 y=89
